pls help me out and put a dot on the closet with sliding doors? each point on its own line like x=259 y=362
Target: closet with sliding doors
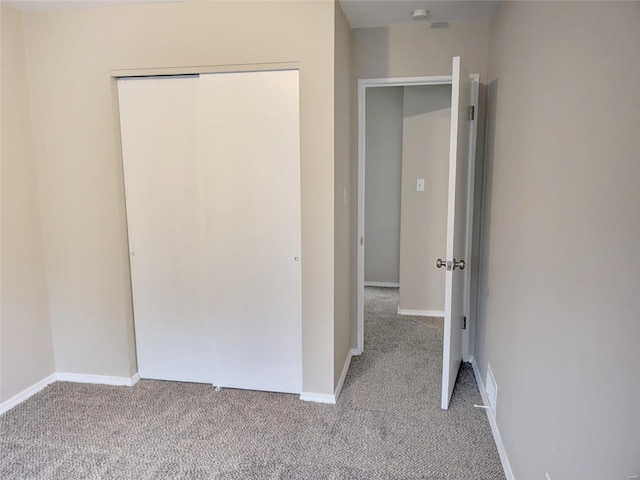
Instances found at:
x=212 y=183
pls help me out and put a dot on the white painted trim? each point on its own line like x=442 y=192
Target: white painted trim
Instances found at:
x=318 y=397
x=421 y=313
x=98 y=379
x=354 y=352
x=382 y=284
x=27 y=393
x=506 y=466
x=203 y=69
x=363 y=84
x=343 y=375
x=332 y=399
x=471 y=174
x=360 y=237
x=404 y=81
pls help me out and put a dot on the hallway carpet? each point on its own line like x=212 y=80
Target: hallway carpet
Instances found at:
x=387 y=424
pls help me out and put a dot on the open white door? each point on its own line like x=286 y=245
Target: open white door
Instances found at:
x=456 y=228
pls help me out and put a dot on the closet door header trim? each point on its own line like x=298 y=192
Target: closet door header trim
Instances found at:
x=203 y=69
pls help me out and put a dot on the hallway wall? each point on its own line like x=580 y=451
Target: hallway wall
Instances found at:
x=383 y=178
x=423 y=230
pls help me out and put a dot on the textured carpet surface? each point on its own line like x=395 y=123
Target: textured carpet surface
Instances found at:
x=387 y=424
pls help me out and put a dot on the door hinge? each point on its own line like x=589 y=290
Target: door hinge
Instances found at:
x=464 y=323
x=472 y=112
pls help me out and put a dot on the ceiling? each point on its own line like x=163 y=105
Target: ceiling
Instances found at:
x=361 y=13
x=381 y=13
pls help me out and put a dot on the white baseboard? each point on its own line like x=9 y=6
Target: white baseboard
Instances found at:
x=326 y=398
x=506 y=466
x=318 y=397
x=382 y=284
x=355 y=352
x=67 y=377
x=29 y=392
x=421 y=313
x=343 y=375
x=98 y=379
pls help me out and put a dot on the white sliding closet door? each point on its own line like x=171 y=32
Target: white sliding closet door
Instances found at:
x=159 y=143
x=212 y=178
x=250 y=145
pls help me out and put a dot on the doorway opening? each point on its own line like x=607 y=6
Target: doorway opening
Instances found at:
x=407 y=145
x=459 y=103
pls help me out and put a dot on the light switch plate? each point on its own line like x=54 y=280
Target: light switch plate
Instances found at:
x=420 y=185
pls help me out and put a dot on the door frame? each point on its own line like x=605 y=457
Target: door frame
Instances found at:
x=363 y=84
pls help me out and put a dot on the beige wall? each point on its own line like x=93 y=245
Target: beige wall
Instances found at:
x=560 y=276
x=70 y=56
x=25 y=334
x=342 y=200
x=415 y=49
x=383 y=178
x=423 y=226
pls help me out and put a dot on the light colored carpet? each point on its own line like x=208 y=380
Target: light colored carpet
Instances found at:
x=387 y=424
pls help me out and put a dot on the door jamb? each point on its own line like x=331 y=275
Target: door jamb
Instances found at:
x=470 y=312
x=363 y=84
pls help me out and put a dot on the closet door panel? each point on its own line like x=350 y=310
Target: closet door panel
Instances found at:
x=249 y=147
x=158 y=118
